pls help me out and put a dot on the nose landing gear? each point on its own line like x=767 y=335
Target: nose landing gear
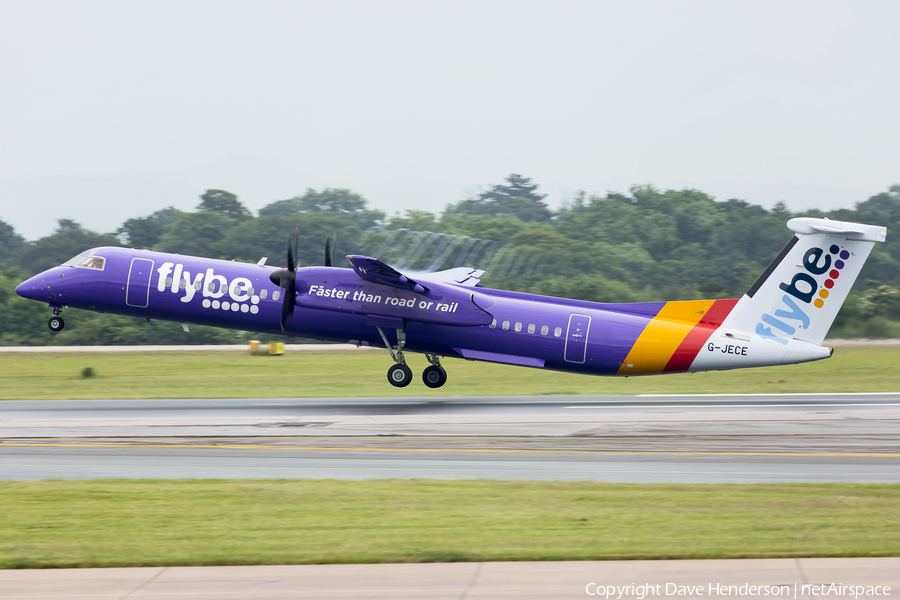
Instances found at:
x=56 y=322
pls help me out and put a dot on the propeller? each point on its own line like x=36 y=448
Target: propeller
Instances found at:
x=286 y=278
x=330 y=246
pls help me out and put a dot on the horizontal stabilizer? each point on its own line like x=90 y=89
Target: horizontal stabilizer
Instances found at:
x=850 y=231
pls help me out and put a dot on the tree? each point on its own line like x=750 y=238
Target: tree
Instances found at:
x=224 y=203
x=67 y=225
x=143 y=232
x=10 y=241
x=198 y=234
x=330 y=201
x=281 y=208
x=166 y=216
x=56 y=249
x=517 y=198
x=415 y=220
x=268 y=236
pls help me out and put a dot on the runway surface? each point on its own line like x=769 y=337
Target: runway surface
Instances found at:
x=853 y=438
x=785 y=577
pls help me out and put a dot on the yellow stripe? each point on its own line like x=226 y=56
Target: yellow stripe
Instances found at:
x=662 y=335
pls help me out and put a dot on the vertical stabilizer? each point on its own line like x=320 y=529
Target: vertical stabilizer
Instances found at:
x=799 y=294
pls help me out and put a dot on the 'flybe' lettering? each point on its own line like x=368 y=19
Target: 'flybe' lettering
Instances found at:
x=805 y=288
x=805 y=295
x=240 y=289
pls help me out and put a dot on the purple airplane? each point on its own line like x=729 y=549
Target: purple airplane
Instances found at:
x=782 y=319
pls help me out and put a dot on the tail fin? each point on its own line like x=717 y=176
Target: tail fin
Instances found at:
x=799 y=294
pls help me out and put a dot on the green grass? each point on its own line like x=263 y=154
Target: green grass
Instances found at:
x=336 y=373
x=202 y=522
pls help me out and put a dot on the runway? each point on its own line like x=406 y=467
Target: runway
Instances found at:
x=804 y=578
x=850 y=438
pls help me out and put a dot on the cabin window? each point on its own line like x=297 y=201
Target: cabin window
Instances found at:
x=276 y=294
x=168 y=282
x=212 y=286
x=493 y=323
x=250 y=292
x=505 y=325
x=544 y=330
x=531 y=328
x=263 y=294
x=518 y=326
x=83 y=261
x=557 y=332
x=197 y=285
x=182 y=284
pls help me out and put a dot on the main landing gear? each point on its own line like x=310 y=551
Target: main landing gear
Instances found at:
x=400 y=375
x=56 y=322
x=434 y=376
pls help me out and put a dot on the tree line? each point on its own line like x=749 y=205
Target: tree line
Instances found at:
x=644 y=245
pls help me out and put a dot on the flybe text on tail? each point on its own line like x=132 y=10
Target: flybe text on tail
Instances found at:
x=799 y=294
x=804 y=287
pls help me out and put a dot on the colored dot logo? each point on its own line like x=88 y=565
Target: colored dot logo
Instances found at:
x=832 y=275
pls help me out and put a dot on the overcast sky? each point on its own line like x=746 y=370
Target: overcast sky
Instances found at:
x=414 y=102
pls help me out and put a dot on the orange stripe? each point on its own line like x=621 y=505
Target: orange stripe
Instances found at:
x=662 y=336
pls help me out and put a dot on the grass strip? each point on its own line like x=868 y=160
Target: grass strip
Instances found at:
x=200 y=374
x=109 y=523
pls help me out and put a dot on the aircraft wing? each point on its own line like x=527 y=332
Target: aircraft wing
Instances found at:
x=372 y=269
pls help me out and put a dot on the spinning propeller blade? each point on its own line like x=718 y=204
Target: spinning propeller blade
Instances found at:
x=285 y=278
x=330 y=247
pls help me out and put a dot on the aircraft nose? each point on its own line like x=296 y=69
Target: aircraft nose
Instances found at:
x=33 y=289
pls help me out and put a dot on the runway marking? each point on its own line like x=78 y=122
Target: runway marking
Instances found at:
x=253 y=594
x=663 y=405
x=463 y=450
x=450 y=470
x=813 y=394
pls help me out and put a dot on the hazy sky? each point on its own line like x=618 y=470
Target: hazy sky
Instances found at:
x=438 y=97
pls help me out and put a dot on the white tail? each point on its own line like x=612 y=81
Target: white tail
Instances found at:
x=799 y=294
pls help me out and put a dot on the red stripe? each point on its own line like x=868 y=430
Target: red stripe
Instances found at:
x=692 y=343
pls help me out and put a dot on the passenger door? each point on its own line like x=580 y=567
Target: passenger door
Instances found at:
x=576 y=338
x=137 y=291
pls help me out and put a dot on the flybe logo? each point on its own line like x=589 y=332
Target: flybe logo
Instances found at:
x=803 y=288
x=237 y=295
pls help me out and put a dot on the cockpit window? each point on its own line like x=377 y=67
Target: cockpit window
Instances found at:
x=83 y=261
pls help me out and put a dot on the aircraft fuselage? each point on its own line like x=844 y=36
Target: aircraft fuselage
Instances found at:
x=445 y=319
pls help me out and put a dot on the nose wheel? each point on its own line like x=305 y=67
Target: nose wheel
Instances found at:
x=56 y=323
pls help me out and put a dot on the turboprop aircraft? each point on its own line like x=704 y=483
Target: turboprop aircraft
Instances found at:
x=782 y=319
